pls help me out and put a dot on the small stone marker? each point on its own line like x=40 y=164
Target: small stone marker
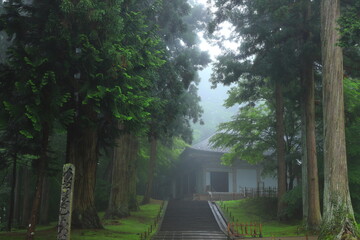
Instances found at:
x=67 y=188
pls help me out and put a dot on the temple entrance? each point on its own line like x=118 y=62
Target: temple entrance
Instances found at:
x=219 y=181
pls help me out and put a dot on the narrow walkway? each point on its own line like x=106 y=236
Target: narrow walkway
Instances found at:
x=189 y=220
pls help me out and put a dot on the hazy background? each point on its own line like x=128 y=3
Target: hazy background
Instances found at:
x=212 y=101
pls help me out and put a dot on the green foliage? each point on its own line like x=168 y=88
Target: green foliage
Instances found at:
x=174 y=84
x=262 y=210
x=125 y=229
x=350 y=36
x=270 y=35
x=352 y=110
x=293 y=201
x=350 y=24
x=248 y=135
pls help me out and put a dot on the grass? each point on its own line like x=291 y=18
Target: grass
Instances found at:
x=262 y=211
x=124 y=229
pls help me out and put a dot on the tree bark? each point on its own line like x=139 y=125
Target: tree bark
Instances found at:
x=280 y=148
x=338 y=214
x=118 y=201
x=26 y=198
x=123 y=175
x=304 y=181
x=314 y=214
x=17 y=197
x=30 y=234
x=44 y=212
x=82 y=151
x=12 y=194
x=133 y=202
x=151 y=170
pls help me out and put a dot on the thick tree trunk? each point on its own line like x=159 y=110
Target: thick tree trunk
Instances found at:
x=304 y=181
x=39 y=182
x=17 y=197
x=338 y=216
x=118 y=201
x=12 y=194
x=44 y=212
x=280 y=148
x=82 y=151
x=123 y=175
x=314 y=214
x=26 y=197
x=151 y=170
x=133 y=202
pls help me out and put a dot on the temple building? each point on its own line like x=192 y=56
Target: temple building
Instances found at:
x=201 y=173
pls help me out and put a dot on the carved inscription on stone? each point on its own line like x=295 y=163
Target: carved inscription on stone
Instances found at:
x=67 y=188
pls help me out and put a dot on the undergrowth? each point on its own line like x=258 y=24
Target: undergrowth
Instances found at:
x=262 y=210
x=124 y=229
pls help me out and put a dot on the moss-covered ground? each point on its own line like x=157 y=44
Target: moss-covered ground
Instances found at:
x=124 y=229
x=262 y=211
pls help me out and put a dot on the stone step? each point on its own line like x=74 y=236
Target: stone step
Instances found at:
x=189 y=220
x=196 y=235
x=189 y=216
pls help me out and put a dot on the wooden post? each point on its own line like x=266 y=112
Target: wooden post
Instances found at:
x=67 y=189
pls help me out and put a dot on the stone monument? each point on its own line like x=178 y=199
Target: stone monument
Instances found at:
x=67 y=188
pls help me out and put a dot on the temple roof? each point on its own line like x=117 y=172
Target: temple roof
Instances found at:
x=205 y=145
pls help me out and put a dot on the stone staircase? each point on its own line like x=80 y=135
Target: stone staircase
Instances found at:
x=189 y=220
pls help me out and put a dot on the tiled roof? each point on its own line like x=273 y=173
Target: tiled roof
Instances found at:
x=206 y=146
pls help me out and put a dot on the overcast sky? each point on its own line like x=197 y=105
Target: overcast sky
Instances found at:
x=213 y=97
x=226 y=30
x=214 y=50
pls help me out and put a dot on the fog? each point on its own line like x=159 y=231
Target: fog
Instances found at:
x=212 y=101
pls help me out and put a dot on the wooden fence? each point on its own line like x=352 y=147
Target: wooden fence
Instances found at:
x=259 y=192
x=153 y=227
x=243 y=193
x=241 y=230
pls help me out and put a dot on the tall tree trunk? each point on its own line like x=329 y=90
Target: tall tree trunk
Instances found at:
x=39 y=182
x=26 y=197
x=133 y=202
x=12 y=195
x=313 y=219
x=338 y=218
x=151 y=170
x=118 y=201
x=304 y=181
x=44 y=212
x=280 y=148
x=125 y=155
x=17 y=196
x=314 y=214
x=82 y=151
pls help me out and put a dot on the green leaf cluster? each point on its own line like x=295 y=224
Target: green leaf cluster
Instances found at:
x=352 y=110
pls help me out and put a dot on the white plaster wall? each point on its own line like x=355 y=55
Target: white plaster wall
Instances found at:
x=246 y=178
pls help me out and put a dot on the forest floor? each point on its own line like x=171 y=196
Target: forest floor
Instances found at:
x=124 y=229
